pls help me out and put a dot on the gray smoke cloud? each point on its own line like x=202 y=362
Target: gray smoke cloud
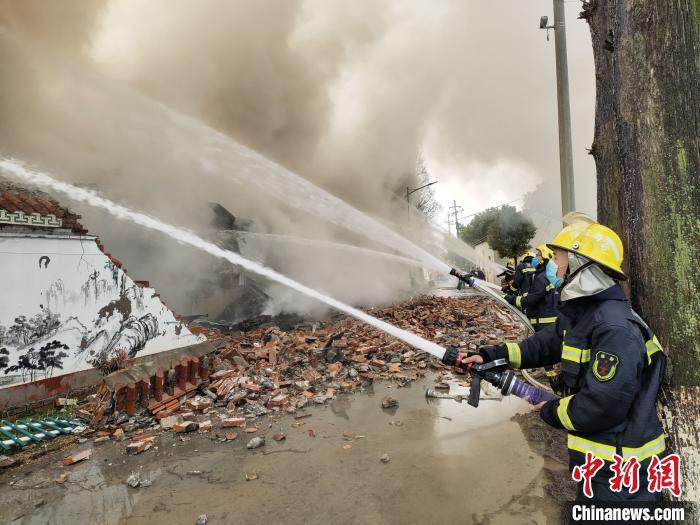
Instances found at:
x=344 y=93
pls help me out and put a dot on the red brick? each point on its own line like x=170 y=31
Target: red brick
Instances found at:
x=334 y=367
x=233 y=422
x=78 y=456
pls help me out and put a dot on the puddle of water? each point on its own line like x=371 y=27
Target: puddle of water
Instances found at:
x=450 y=463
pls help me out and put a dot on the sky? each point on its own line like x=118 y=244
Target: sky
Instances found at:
x=506 y=175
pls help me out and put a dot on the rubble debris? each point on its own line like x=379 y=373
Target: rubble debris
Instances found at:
x=256 y=442
x=251 y=476
x=169 y=422
x=202 y=519
x=385 y=458
x=139 y=446
x=233 y=422
x=389 y=402
x=312 y=433
x=62 y=402
x=270 y=371
x=78 y=456
x=62 y=478
x=279 y=436
x=135 y=481
x=185 y=426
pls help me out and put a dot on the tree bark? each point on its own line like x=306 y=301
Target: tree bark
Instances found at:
x=647 y=153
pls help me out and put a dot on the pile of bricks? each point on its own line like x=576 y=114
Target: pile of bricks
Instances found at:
x=270 y=372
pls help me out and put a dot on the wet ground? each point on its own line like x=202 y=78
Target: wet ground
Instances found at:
x=449 y=463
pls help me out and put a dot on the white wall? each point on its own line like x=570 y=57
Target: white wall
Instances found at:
x=68 y=291
x=485 y=252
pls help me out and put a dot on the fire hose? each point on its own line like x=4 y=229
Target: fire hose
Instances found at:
x=498 y=374
x=480 y=285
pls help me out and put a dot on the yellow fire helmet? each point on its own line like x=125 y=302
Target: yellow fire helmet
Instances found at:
x=511 y=262
x=596 y=242
x=602 y=245
x=566 y=238
x=546 y=252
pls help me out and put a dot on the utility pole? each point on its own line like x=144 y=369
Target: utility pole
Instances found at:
x=455 y=210
x=566 y=159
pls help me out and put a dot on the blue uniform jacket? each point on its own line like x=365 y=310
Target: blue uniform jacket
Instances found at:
x=612 y=368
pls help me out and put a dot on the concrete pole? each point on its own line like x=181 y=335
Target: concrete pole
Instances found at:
x=566 y=159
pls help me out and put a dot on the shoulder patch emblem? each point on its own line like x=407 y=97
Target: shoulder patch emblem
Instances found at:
x=605 y=366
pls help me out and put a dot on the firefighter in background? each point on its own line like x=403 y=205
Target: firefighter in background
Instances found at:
x=522 y=279
x=541 y=302
x=612 y=365
x=506 y=275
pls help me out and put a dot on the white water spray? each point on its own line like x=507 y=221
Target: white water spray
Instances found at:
x=36 y=178
x=263 y=238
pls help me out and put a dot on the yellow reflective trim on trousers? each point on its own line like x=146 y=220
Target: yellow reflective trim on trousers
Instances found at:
x=648 y=449
x=533 y=321
x=518 y=301
x=549 y=287
x=577 y=355
x=514 y=355
x=653 y=345
x=582 y=445
x=604 y=451
x=528 y=270
x=548 y=320
x=563 y=413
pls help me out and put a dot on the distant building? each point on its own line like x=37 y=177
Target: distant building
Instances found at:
x=488 y=256
x=67 y=306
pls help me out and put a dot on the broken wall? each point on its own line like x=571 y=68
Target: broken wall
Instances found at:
x=67 y=307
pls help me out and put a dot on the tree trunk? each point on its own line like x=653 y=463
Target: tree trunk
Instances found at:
x=647 y=154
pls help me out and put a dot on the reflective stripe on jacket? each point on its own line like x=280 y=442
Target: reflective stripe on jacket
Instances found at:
x=612 y=366
x=541 y=304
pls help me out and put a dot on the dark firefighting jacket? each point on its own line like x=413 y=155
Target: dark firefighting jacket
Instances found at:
x=541 y=303
x=522 y=278
x=612 y=367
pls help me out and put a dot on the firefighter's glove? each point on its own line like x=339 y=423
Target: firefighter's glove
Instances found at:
x=491 y=353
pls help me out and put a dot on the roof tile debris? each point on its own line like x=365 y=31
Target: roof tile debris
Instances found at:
x=269 y=373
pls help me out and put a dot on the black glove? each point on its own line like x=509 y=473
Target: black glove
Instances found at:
x=491 y=353
x=510 y=299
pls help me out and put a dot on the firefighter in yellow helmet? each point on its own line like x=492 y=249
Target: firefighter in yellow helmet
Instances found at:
x=507 y=275
x=522 y=279
x=541 y=301
x=612 y=365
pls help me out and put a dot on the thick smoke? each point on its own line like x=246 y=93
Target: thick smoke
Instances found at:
x=344 y=93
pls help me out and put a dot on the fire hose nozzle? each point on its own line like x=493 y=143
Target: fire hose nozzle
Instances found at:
x=469 y=279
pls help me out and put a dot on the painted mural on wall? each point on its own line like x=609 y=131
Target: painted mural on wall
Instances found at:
x=65 y=307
